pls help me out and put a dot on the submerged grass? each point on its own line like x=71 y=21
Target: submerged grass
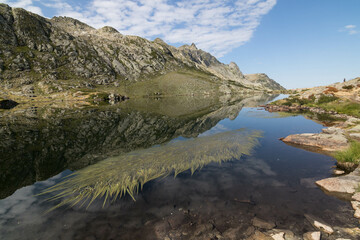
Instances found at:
x=126 y=174
x=352 y=154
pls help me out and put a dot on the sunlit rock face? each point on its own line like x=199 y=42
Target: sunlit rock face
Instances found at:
x=37 y=49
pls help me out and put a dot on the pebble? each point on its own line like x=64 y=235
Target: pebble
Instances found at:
x=338 y=172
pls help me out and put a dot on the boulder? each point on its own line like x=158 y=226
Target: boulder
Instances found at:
x=331 y=139
x=319 y=224
x=312 y=236
x=343 y=186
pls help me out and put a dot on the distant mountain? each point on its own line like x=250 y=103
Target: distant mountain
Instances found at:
x=262 y=80
x=53 y=55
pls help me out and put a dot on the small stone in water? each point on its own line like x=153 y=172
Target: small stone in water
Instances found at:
x=338 y=172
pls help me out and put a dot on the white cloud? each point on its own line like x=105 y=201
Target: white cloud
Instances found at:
x=350 y=26
x=26 y=4
x=350 y=29
x=215 y=26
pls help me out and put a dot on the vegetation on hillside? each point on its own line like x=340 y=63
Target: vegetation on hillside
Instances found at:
x=326 y=102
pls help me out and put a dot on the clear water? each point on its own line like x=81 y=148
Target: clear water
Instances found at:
x=275 y=182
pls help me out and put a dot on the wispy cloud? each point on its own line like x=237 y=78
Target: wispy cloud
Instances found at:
x=215 y=26
x=350 y=29
x=26 y=4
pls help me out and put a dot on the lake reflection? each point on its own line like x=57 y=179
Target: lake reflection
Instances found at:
x=211 y=197
x=40 y=142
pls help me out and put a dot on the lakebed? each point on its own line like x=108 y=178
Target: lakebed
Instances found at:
x=258 y=188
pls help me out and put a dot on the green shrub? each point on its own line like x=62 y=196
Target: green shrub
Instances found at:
x=287 y=103
x=348 y=108
x=352 y=154
x=348 y=87
x=326 y=99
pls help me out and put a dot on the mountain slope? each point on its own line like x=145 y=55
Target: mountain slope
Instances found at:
x=39 y=55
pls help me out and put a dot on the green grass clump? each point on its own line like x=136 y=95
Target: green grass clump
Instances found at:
x=127 y=173
x=326 y=99
x=348 y=87
x=345 y=107
x=295 y=101
x=352 y=154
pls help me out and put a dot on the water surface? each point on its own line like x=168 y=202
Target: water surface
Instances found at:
x=225 y=153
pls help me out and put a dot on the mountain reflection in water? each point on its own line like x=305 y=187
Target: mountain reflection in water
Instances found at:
x=41 y=141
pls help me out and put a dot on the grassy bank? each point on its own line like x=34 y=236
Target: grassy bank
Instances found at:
x=326 y=102
x=352 y=154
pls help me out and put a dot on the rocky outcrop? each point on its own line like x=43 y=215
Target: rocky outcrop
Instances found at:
x=343 y=186
x=63 y=48
x=348 y=90
x=335 y=138
x=330 y=139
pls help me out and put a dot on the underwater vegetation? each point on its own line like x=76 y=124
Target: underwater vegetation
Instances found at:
x=127 y=173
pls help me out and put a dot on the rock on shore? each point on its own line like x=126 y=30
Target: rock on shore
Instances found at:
x=330 y=139
x=343 y=186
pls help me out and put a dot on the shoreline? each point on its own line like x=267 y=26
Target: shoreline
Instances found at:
x=345 y=185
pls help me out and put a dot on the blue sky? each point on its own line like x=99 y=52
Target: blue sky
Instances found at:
x=298 y=43
x=304 y=43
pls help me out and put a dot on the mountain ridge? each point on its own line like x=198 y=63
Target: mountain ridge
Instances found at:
x=37 y=52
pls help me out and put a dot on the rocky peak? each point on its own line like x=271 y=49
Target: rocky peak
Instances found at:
x=159 y=41
x=234 y=68
x=108 y=29
x=193 y=46
x=71 y=25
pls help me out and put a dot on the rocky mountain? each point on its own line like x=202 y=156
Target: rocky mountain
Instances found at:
x=262 y=80
x=45 y=56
